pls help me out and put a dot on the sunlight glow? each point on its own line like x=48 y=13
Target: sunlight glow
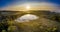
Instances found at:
x=27 y=7
x=33 y=6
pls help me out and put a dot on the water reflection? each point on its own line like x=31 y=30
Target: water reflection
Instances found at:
x=27 y=17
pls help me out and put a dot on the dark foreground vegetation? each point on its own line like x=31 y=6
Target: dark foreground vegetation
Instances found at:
x=47 y=22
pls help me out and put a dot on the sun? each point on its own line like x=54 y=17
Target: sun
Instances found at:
x=28 y=7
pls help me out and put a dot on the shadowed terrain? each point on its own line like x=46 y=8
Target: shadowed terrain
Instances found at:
x=47 y=21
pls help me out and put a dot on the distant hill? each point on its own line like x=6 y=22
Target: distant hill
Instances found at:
x=46 y=14
x=43 y=13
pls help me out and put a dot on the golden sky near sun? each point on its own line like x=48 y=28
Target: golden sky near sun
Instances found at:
x=32 y=6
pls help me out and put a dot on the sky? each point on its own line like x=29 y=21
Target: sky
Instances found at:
x=4 y=3
x=15 y=4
